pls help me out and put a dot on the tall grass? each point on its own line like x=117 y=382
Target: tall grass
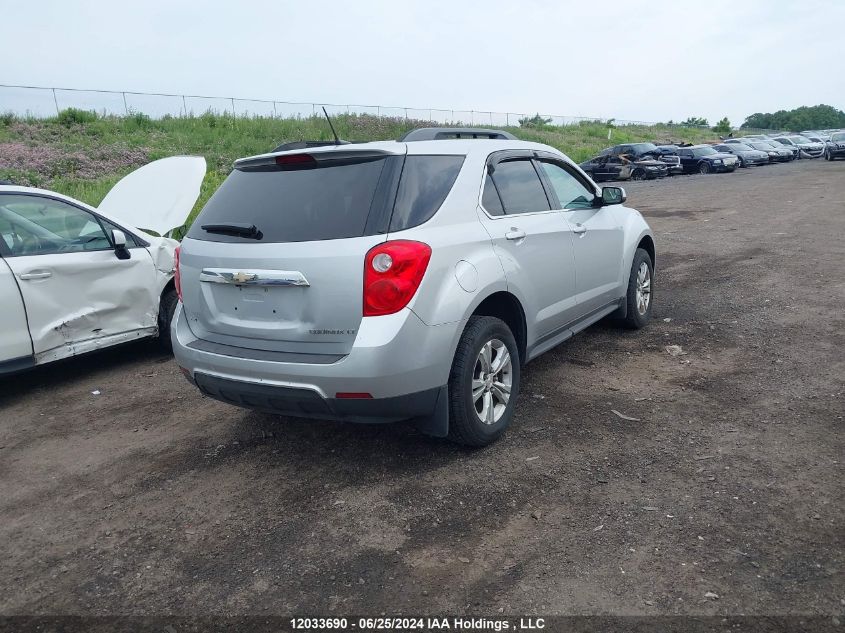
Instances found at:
x=36 y=151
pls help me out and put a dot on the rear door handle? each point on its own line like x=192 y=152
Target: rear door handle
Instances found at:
x=36 y=274
x=579 y=229
x=515 y=234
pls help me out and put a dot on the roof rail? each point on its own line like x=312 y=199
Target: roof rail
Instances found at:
x=440 y=133
x=284 y=147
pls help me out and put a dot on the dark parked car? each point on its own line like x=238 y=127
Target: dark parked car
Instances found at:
x=644 y=151
x=835 y=147
x=612 y=167
x=669 y=154
x=703 y=159
x=792 y=149
x=776 y=154
x=806 y=147
x=746 y=154
x=632 y=150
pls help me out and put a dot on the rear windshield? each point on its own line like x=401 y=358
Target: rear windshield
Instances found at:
x=327 y=202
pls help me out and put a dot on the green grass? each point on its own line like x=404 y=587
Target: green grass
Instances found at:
x=116 y=145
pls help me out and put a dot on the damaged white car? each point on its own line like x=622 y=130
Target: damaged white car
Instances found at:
x=74 y=279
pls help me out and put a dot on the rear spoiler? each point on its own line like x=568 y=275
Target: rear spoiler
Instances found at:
x=308 y=160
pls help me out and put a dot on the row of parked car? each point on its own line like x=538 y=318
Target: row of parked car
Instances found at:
x=646 y=161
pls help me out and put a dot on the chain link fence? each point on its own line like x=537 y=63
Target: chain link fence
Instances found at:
x=43 y=102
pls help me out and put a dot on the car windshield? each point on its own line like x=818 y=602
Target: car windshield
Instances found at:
x=800 y=140
x=762 y=146
x=740 y=146
x=838 y=136
x=703 y=151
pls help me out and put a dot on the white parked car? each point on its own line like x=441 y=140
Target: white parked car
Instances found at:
x=74 y=279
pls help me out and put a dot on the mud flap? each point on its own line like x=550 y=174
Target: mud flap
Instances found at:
x=622 y=312
x=436 y=424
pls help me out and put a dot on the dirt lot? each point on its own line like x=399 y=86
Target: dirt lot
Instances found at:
x=150 y=499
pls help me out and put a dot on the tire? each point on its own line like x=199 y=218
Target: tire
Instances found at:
x=827 y=156
x=742 y=163
x=465 y=423
x=704 y=167
x=636 y=317
x=166 y=309
x=638 y=174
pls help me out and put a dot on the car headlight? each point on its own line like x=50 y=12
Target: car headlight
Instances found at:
x=718 y=161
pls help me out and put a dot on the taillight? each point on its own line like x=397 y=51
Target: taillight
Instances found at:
x=177 y=277
x=392 y=273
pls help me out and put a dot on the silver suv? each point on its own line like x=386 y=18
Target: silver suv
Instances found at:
x=409 y=279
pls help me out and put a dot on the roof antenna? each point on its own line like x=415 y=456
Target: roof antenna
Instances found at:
x=336 y=139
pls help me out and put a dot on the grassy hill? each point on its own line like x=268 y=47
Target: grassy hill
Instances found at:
x=83 y=155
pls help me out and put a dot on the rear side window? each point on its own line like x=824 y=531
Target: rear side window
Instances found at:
x=425 y=183
x=519 y=187
x=490 y=198
x=296 y=205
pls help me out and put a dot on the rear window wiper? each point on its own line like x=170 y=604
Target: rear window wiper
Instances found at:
x=236 y=229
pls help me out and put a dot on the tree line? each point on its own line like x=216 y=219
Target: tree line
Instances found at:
x=818 y=117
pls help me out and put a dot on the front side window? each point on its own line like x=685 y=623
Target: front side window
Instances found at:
x=519 y=187
x=32 y=225
x=570 y=192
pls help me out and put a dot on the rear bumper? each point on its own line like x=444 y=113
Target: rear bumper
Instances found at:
x=397 y=359
x=306 y=403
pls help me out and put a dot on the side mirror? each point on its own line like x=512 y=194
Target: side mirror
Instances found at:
x=613 y=195
x=119 y=240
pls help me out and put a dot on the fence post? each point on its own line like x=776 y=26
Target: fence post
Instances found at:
x=125 y=107
x=233 y=106
x=184 y=107
x=406 y=114
x=56 y=101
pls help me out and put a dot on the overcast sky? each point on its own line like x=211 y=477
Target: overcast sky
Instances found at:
x=650 y=61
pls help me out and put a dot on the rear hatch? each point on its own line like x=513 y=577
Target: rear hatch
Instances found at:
x=275 y=259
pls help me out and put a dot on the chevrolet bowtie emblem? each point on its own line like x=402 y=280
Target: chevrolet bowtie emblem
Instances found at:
x=242 y=278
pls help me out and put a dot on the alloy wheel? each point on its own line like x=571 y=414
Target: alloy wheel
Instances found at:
x=643 y=288
x=492 y=378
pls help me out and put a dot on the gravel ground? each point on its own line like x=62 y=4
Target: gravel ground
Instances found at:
x=723 y=496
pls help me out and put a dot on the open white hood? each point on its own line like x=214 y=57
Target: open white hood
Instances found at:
x=159 y=196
